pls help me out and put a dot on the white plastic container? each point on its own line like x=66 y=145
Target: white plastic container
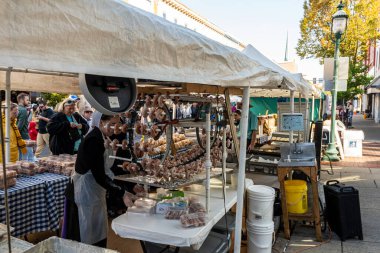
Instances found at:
x=260 y=204
x=260 y=238
x=352 y=143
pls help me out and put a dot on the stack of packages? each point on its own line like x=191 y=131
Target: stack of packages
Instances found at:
x=11 y=178
x=24 y=168
x=63 y=164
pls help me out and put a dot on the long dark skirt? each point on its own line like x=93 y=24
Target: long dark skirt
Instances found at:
x=70 y=228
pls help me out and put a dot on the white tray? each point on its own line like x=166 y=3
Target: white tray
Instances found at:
x=59 y=245
x=3 y=230
x=18 y=246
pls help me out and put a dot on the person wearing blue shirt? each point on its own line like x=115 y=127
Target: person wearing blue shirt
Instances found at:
x=252 y=128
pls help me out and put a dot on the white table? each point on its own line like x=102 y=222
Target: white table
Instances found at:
x=155 y=228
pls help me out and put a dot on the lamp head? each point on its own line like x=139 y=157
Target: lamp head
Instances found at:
x=339 y=20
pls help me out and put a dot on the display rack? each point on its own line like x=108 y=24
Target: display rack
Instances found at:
x=170 y=185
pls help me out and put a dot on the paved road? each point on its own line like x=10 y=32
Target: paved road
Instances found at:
x=370 y=128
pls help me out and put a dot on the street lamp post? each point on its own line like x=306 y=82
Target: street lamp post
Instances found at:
x=339 y=25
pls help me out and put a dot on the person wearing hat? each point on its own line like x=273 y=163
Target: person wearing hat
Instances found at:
x=86 y=113
x=66 y=129
x=43 y=118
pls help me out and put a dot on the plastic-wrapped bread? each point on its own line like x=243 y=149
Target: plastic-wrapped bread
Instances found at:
x=174 y=213
x=196 y=208
x=193 y=220
x=41 y=169
x=143 y=202
x=10 y=182
x=28 y=172
x=28 y=165
x=13 y=167
x=9 y=174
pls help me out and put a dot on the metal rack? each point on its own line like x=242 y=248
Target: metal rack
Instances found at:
x=171 y=185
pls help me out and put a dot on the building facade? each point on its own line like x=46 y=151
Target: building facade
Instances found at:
x=371 y=100
x=179 y=14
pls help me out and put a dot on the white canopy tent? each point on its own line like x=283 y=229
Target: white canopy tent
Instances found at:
x=289 y=80
x=115 y=39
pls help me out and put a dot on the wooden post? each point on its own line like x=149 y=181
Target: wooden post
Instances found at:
x=231 y=122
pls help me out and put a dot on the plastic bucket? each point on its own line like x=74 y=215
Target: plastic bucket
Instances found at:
x=296 y=196
x=260 y=238
x=260 y=204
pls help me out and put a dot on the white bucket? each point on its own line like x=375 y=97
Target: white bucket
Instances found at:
x=260 y=204
x=260 y=238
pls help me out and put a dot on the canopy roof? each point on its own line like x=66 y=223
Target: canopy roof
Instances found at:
x=289 y=80
x=374 y=86
x=116 y=39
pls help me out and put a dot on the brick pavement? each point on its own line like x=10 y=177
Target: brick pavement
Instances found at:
x=371 y=145
x=370 y=159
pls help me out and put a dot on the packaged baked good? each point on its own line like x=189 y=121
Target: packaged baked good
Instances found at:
x=174 y=213
x=197 y=208
x=10 y=182
x=193 y=220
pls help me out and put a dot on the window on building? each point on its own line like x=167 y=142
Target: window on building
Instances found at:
x=164 y=15
x=175 y=21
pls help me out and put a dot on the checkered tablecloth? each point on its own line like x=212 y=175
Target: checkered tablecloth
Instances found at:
x=55 y=198
x=27 y=206
x=35 y=203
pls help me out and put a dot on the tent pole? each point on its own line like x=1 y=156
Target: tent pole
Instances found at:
x=241 y=176
x=5 y=159
x=7 y=115
x=312 y=107
x=224 y=144
x=307 y=121
x=208 y=159
x=299 y=110
x=292 y=111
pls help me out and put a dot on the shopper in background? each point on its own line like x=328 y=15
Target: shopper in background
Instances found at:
x=66 y=129
x=17 y=144
x=23 y=115
x=43 y=119
x=32 y=130
x=233 y=108
x=23 y=124
x=350 y=113
x=252 y=127
x=87 y=112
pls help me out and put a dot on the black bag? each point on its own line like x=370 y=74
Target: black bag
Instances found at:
x=74 y=134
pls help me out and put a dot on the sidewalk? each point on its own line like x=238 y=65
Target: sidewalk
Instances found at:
x=371 y=145
x=361 y=173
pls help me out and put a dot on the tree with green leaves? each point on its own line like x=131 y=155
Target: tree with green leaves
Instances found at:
x=53 y=99
x=363 y=26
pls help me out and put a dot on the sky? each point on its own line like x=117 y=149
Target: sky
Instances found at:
x=262 y=23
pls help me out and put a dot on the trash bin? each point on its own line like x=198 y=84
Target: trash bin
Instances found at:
x=353 y=143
